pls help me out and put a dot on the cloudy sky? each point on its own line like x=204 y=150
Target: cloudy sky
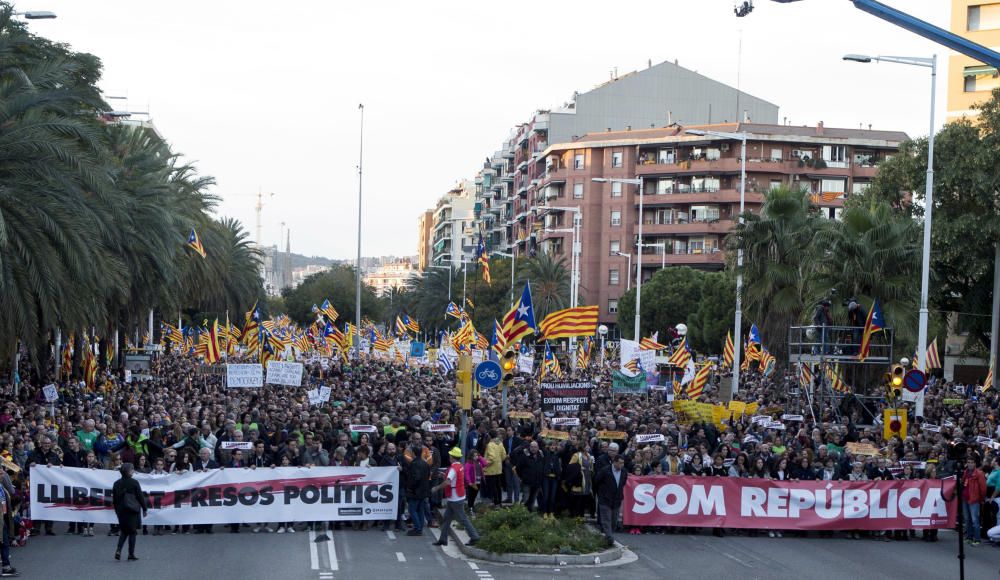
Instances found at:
x=264 y=95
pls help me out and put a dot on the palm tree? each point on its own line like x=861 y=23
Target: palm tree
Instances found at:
x=780 y=270
x=549 y=279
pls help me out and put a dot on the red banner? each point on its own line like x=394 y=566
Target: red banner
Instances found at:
x=723 y=502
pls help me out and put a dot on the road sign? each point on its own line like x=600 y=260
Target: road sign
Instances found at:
x=915 y=381
x=487 y=374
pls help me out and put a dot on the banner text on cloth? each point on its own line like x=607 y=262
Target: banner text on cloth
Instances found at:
x=722 y=502
x=222 y=496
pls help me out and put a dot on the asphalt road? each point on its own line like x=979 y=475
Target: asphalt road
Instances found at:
x=376 y=554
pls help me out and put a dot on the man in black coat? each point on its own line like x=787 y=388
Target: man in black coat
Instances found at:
x=45 y=454
x=610 y=486
x=528 y=466
x=418 y=488
x=129 y=502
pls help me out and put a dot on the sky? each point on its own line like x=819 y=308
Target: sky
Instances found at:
x=264 y=96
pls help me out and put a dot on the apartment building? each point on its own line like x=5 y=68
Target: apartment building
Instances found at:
x=425 y=226
x=659 y=95
x=453 y=233
x=969 y=81
x=392 y=276
x=690 y=195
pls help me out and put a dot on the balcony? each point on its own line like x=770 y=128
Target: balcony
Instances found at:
x=699 y=166
x=720 y=227
x=702 y=195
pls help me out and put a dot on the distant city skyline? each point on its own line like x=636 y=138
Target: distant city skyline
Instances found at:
x=267 y=101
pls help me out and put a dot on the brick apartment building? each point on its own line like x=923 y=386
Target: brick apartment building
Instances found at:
x=691 y=193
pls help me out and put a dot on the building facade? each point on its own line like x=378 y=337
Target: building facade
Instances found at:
x=690 y=195
x=969 y=81
x=653 y=97
x=453 y=233
x=391 y=276
x=425 y=225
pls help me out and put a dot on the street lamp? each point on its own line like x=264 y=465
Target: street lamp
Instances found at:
x=462 y=261
x=738 y=323
x=511 y=256
x=628 y=273
x=574 y=286
x=36 y=14
x=603 y=331
x=638 y=269
x=357 y=287
x=449 y=279
x=925 y=267
x=663 y=252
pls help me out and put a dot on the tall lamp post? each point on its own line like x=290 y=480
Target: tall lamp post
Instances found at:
x=663 y=252
x=638 y=269
x=512 y=258
x=738 y=323
x=449 y=279
x=357 y=286
x=36 y=14
x=574 y=284
x=925 y=267
x=628 y=273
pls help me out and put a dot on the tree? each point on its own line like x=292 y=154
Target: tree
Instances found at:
x=708 y=325
x=550 y=283
x=965 y=228
x=336 y=285
x=672 y=296
x=780 y=272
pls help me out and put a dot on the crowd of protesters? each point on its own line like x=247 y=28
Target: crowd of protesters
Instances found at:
x=176 y=421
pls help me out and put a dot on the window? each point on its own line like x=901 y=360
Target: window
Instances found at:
x=577 y=191
x=984 y=17
x=775 y=183
x=616 y=246
x=835 y=155
x=616 y=189
x=616 y=159
x=613 y=276
x=712 y=154
x=664 y=186
x=705 y=184
x=612 y=306
x=980 y=78
x=616 y=217
x=776 y=154
x=833 y=186
x=666 y=156
x=833 y=213
x=860 y=187
x=704 y=213
x=696 y=245
x=578 y=161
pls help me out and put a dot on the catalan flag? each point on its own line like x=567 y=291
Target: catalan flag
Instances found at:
x=988 y=382
x=697 y=386
x=805 y=376
x=768 y=364
x=651 y=343
x=484 y=260
x=550 y=364
x=729 y=352
x=194 y=242
x=468 y=302
x=400 y=327
x=933 y=359
x=454 y=311
x=212 y=343
x=329 y=311
x=836 y=382
x=583 y=353
x=634 y=366
x=681 y=356
x=519 y=321
x=89 y=365
x=67 y=357
x=482 y=343
x=873 y=324
x=497 y=343
x=579 y=321
x=411 y=324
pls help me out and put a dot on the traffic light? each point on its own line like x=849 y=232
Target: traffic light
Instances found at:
x=463 y=381
x=896 y=374
x=508 y=364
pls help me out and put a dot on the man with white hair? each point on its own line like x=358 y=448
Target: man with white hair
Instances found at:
x=204 y=463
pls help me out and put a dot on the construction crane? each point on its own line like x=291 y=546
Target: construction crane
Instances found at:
x=258 y=208
x=914 y=25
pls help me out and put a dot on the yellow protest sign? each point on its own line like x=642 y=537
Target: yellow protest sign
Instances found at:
x=719 y=414
x=550 y=434
x=862 y=449
x=737 y=407
x=751 y=409
x=521 y=415
x=612 y=435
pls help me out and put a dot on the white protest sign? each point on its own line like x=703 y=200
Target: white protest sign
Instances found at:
x=799 y=418
x=649 y=438
x=775 y=425
x=239 y=376
x=313 y=395
x=526 y=364
x=51 y=393
x=930 y=428
x=237 y=445
x=565 y=422
x=760 y=419
x=441 y=428
x=128 y=376
x=363 y=428
x=324 y=394
x=284 y=373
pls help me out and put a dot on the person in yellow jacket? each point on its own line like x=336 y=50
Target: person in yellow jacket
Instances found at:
x=495 y=456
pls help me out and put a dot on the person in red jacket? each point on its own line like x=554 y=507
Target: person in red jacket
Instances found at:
x=973 y=494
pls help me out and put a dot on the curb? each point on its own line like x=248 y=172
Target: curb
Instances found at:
x=609 y=555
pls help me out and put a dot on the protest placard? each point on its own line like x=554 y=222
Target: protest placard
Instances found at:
x=240 y=376
x=288 y=374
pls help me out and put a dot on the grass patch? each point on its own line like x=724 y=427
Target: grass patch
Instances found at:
x=515 y=530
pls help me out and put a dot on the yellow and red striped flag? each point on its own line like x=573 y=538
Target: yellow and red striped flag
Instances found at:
x=569 y=322
x=651 y=343
x=697 y=386
x=728 y=352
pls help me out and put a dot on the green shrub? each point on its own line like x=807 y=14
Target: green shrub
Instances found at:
x=515 y=530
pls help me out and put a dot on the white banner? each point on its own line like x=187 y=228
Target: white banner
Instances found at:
x=51 y=393
x=284 y=373
x=565 y=421
x=222 y=496
x=525 y=364
x=630 y=350
x=240 y=376
x=649 y=438
x=246 y=445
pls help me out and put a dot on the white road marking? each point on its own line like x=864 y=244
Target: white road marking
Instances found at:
x=400 y=557
x=391 y=534
x=473 y=566
x=737 y=560
x=331 y=550
x=313 y=553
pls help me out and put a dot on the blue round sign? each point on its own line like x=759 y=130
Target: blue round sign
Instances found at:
x=487 y=374
x=915 y=381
